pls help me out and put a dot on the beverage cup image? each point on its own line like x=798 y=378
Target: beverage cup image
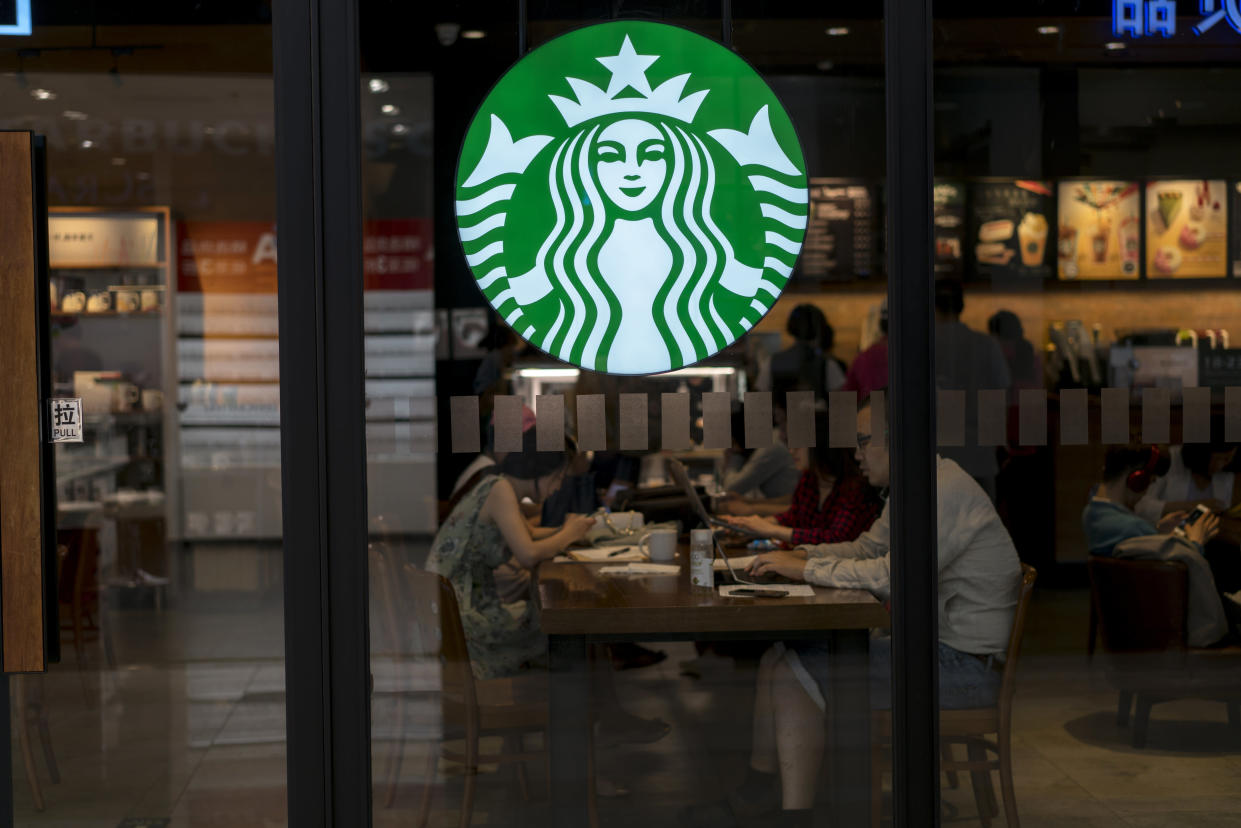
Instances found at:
x=1098 y=242
x=1032 y=234
x=660 y=545
x=1068 y=243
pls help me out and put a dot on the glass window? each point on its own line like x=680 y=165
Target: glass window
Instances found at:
x=167 y=703
x=1085 y=383
x=658 y=270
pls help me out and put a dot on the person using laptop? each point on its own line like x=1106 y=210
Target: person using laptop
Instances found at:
x=833 y=502
x=979 y=576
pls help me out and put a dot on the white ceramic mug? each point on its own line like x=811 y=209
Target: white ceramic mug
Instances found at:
x=152 y=399
x=660 y=545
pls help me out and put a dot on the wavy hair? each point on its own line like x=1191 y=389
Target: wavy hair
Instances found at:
x=683 y=308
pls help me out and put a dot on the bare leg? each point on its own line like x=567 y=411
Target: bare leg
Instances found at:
x=763 y=756
x=799 y=738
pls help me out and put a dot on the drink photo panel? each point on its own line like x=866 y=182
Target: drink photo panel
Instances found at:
x=1186 y=229
x=1009 y=222
x=1099 y=232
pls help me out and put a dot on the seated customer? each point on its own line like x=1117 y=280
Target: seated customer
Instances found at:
x=1197 y=473
x=764 y=476
x=979 y=575
x=1114 y=530
x=833 y=501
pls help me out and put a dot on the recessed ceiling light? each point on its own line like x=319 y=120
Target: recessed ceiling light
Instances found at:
x=43 y=94
x=825 y=65
x=838 y=31
x=399 y=129
x=378 y=85
x=87 y=144
x=390 y=109
x=118 y=162
x=142 y=175
x=209 y=130
x=1048 y=30
x=1114 y=46
x=473 y=34
x=74 y=115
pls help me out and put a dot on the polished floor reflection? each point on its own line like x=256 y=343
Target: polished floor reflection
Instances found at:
x=188 y=731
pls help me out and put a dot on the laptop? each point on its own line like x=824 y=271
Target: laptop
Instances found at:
x=681 y=478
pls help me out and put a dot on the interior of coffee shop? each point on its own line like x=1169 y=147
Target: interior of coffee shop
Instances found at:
x=1087 y=232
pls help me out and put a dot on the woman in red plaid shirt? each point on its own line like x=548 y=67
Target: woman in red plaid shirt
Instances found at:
x=833 y=502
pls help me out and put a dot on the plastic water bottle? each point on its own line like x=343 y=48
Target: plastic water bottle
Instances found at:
x=701 y=570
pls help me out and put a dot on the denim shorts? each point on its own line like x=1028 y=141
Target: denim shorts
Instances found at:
x=964 y=680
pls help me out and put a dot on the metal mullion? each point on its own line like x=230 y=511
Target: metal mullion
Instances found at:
x=911 y=369
x=323 y=457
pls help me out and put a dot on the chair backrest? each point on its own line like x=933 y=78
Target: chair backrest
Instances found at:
x=436 y=631
x=1008 y=682
x=1142 y=606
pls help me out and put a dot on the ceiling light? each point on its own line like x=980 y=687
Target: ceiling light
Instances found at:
x=118 y=162
x=837 y=31
x=1114 y=46
x=378 y=85
x=825 y=65
x=1048 y=30
x=390 y=109
x=473 y=34
x=399 y=129
x=87 y=144
x=142 y=175
x=43 y=94
x=74 y=115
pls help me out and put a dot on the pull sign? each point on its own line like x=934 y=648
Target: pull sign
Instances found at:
x=66 y=419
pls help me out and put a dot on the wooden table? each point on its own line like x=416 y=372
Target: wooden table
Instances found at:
x=581 y=607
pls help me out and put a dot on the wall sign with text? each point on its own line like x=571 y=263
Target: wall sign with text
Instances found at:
x=631 y=197
x=1010 y=223
x=1157 y=18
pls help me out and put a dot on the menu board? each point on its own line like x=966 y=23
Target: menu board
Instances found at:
x=1099 y=231
x=1234 y=234
x=949 y=228
x=1186 y=229
x=1008 y=229
x=841 y=231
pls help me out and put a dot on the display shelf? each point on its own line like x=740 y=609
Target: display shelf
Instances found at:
x=107 y=266
x=154 y=314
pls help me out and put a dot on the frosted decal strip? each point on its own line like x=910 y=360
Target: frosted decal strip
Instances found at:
x=758 y=420
x=1032 y=417
x=950 y=417
x=842 y=419
x=1114 y=416
x=1074 y=417
x=799 y=408
x=633 y=422
x=592 y=423
x=464 y=414
x=992 y=417
x=1232 y=414
x=549 y=411
x=717 y=420
x=1156 y=415
x=878 y=419
x=674 y=422
x=1196 y=415
x=506 y=421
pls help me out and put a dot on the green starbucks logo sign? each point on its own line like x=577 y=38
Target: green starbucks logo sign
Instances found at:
x=631 y=197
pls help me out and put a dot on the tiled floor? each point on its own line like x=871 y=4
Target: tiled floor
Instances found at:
x=190 y=728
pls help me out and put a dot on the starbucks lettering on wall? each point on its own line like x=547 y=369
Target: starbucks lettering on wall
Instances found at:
x=631 y=197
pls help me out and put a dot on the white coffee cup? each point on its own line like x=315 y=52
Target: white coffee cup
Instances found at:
x=660 y=545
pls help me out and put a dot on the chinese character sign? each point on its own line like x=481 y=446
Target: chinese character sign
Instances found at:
x=1144 y=18
x=66 y=414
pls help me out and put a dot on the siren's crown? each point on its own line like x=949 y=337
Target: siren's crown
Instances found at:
x=628 y=72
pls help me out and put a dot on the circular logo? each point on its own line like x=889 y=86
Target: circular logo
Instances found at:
x=631 y=197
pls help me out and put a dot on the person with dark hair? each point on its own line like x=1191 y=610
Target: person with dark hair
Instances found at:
x=969 y=361
x=808 y=363
x=832 y=502
x=766 y=476
x=979 y=577
x=1113 y=530
x=869 y=371
x=1024 y=365
x=487 y=526
x=1197 y=473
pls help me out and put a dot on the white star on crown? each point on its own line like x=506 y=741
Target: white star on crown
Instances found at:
x=628 y=71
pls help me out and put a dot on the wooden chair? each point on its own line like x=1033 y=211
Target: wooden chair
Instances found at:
x=32 y=718
x=81 y=613
x=472 y=709
x=972 y=728
x=1142 y=608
